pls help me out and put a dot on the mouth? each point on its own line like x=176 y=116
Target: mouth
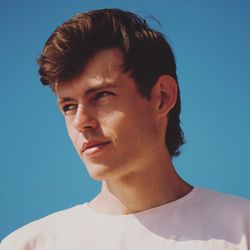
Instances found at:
x=91 y=148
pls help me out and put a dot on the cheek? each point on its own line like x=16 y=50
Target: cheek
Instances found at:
x=111 y=124
x=71 y=132
x=128 y=126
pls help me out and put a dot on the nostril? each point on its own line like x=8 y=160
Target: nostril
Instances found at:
x=84 y=119
x=84 y=123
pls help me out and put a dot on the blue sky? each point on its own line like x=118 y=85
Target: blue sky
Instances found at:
x=41 y=172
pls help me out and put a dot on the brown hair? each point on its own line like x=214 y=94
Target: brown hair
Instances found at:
x=147 y=55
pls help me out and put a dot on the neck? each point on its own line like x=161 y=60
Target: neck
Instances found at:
x=140 y=191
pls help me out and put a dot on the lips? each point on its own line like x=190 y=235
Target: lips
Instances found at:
x=92 y=147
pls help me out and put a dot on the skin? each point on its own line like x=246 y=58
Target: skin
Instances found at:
x=120 y=135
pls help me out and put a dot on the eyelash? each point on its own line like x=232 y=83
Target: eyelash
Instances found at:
x=69 y=107
x=102 y=94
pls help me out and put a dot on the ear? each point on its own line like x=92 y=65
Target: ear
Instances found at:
x=164 y=94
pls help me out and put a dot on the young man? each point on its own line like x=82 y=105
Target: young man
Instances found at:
x=116 y=84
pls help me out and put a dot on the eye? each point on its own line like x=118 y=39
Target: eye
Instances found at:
x=68 y=107
x=103 y=94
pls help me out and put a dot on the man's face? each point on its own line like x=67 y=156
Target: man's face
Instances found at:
x=112 y=127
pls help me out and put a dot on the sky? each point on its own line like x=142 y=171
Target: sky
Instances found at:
x=40 y=170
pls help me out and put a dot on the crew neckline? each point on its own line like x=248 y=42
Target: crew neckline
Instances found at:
x=169 y=205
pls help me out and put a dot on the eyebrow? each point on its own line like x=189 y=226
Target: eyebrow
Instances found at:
x=100 y=87
x=89 y=91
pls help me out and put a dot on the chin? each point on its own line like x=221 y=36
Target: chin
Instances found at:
x=99 y=172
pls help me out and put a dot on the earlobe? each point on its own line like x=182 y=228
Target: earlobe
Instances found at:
x=166 y=87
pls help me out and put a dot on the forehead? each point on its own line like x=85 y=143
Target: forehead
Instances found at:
x=105 y=61
x=104 y=68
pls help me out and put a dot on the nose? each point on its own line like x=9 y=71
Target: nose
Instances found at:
x=83 y=120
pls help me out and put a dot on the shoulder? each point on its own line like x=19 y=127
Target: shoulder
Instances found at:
x=208 y=214
x=221 y=206
x=220 y=200
x=42 y=231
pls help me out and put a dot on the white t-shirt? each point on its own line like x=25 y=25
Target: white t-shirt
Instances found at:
x=203 y=219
